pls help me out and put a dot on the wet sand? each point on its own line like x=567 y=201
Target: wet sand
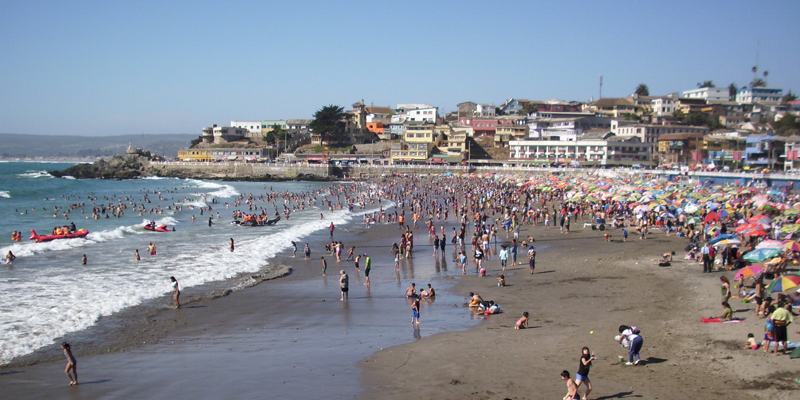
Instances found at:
x=292 y=337
x=287 y=337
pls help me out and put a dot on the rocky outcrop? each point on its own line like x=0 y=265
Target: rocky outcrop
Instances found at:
x=125 y=166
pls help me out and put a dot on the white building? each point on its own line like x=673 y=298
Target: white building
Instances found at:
x=485 y=110
x=253 y=127
x=665 y=105
x=759 y=95
x=616 y=150
x=650 y=133
x=423 y=114
x=712 y=94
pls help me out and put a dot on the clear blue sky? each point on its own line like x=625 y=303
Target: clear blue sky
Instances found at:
x=131 y=67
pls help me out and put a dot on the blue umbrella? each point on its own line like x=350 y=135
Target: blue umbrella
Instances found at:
x=721 y=237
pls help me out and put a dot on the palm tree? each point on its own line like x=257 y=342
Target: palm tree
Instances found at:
x=642 y=90
x=758 y=82
x=732 y=89
x=708 y=84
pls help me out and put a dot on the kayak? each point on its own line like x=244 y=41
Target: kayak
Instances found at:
x=46 y=238
x=160 y=228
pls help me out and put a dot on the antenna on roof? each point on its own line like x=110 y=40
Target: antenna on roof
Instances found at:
x=601 y=86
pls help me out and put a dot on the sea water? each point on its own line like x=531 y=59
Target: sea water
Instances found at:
x=47 y=293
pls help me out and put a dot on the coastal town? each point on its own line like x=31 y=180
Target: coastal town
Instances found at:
x=712 y=128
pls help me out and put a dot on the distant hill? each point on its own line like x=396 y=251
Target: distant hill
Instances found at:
x=40 y=146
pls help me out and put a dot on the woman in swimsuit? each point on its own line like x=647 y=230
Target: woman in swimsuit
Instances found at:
x=176 y=291
x=72 y=365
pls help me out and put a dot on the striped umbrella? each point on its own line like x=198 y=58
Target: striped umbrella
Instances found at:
x=749 y=271
x=783 y=283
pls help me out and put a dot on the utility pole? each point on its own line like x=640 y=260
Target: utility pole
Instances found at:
x=601 y=87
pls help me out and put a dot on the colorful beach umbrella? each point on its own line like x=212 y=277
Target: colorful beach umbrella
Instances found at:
x=759 y=255
x=749 y=271
x=783 y=283
x=770 y=244
x=791 y=245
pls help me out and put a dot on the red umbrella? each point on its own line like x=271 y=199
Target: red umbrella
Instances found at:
x=711 y=217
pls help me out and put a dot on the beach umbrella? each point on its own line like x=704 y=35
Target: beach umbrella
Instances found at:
x=755 y=232
x=693 y=220
x=759 y=255
x=791 y=245
x=749 y=271
x=721 y=237
x=691 y=209
x=711 y=217
x=783 y=283
x=791 y=212
x=727 y=242
x=770 y=244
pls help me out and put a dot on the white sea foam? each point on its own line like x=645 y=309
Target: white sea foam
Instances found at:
x=162 y=221
x=68 y=177
x=5 y=194
x=23 y=249
x=35 y=174
x=52 y=312
x=225 y=191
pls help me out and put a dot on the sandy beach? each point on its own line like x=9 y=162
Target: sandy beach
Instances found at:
x=292 y=337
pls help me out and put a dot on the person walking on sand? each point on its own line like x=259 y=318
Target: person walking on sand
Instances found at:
x=136 y=255
x=324 y=265
x=344 y=284
x=572 y=388
x=176 y=292
x=151 y=248
x=72 y=365
x=583 y=372
x=503 y=256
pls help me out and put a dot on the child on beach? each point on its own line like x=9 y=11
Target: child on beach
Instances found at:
x=307 y=252
x=294 y=249
x=72 y=365
x=522 y=323
x=501 y=281
x=572 y=388
x=751 y=342
x=532 y=259
x=415 y=312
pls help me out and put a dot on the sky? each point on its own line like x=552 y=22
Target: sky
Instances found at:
x=150 y=67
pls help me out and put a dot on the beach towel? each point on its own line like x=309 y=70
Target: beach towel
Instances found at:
x=717 y=320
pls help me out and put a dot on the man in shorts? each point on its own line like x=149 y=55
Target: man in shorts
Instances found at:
x=344 y=284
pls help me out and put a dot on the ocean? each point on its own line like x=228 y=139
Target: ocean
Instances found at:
x=47 y=293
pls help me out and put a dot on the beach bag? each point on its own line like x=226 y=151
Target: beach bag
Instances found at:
x=795 y=353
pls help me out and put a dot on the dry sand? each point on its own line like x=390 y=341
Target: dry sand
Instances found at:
x=583 y=285
x=291 y=337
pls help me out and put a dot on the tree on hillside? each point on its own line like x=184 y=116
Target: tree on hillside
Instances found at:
x=329 y=122
x=787 y=125
x=642 y=90
x=732 y=89
x=788 y=97
x=528 y=109
x=708 y=84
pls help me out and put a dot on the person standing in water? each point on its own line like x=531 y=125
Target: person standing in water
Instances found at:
x=324 y=265
x=72 y=365
x=344 y=284
x=84 y=259
x=367 y=267
x=10 y=257
x=232 y=246
x=151 y=248
x=176 y=291
x=136 y=255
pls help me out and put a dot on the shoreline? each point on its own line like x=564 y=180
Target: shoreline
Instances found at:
x=241 y=319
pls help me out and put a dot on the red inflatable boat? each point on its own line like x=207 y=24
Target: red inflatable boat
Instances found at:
x=160 y=228
x=46 y=238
